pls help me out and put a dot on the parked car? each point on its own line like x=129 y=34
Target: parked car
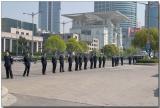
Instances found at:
x=17 y=58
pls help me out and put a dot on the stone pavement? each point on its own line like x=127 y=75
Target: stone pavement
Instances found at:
x=134 y=85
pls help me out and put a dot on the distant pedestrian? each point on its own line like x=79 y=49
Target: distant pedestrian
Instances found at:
x=85 y=61
x=27 y=63
x=61 y=60
x=113 y=61
x=76 y=62
x=91 y=61
x=121 y=60
x=70 y=63
x=7 y=64
x=100 y=61
x=44 y=63
x=104 y=60
x=80 y=62
x=95 y=60
x=129 y=60
x=54 y=63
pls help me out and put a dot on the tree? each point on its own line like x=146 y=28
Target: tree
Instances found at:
x=130 y=51
x=143 y=35
x=54 y=43
x=22 y=43
x=84 y=46
x=73 y=46
x=110 y=50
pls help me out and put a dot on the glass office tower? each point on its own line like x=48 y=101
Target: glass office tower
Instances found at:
x=152 y=10
x=49 y=17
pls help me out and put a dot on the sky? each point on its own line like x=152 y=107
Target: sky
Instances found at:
x=15 y=10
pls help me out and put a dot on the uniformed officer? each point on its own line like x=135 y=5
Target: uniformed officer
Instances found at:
x=95 y=60
x=91 y=61
x=133 y=57
x=76 y=62
x=80 y=62
x=44 y=63
x=70 y=63
x=85 y=61
x=100 y=61
x=129 y=59
x=113 y=61
x=61 y=60
x=117 y=60
x=104 y=60
x=7 y=64
x=54 y=63
x=121 y=60
x=27 y=63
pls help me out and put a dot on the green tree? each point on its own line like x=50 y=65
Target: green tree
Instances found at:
x=110 y=50
x=84 y=46
x=54 y=43
x=143 y=35
x=73 y=46
x=130 y=51
x=22 y=45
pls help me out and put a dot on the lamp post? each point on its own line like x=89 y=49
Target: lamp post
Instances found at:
x=32 y=14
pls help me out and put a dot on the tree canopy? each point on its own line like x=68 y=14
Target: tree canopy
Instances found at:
x=55 y=43
x=110 y=50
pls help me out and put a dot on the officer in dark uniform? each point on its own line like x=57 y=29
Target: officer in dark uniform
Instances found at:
x=104 y=60
x=7 y=64
x=80 y=62
x=133 y=57
x=91 y=62
x=27 y=63
x=54 y=63
x=44 y=63
x=100 y=61
x=129 y=59
x=121 y=60
x=76 y=62
x=85 y=61
x=117 y=60
x=61 y=60
x=70 y=63
x=113 y=61
x=95 y=60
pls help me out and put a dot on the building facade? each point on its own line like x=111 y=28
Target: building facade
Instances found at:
x=49 y=17
x=103 y=26
x=9 y=40
x=151 y=14
x=128 y=8
x=8 y=23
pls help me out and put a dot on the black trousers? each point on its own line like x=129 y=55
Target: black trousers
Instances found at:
x=80 y=66
x=27 y=69
x=103 y=64
x=76 y=66
x=61 y=67
x=91 y=65
x=44 y=68
x=85 y=65
x=8 y=72
x=95 y=64
x=54 y=67
x=100 y=64
x=121 y=62
x=112 y=63
x=70 y=67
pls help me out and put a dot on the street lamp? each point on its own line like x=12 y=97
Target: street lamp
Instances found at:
x=32 y=14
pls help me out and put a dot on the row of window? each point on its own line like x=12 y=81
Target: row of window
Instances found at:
x=22 y=33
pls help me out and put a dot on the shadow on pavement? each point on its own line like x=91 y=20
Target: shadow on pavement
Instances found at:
x=156 y=92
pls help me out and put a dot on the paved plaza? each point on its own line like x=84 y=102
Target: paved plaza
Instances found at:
x=128 y=85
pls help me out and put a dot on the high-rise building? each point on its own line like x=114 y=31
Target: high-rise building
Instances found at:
x=128 y=8
x=152 y=10
x=49 y=17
